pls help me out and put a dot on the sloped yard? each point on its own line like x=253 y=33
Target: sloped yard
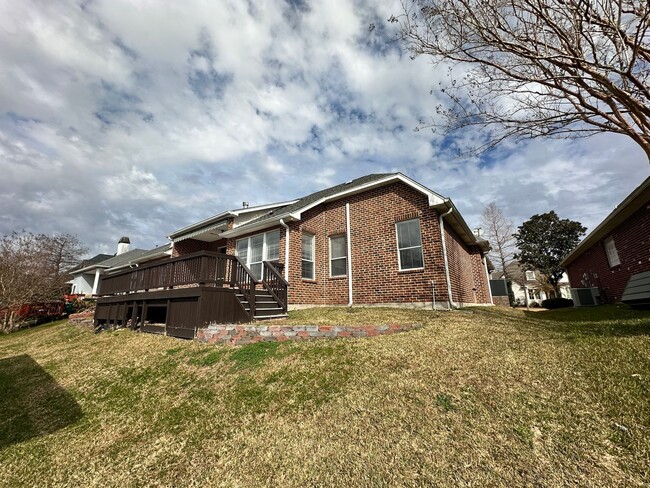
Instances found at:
x=484 y=397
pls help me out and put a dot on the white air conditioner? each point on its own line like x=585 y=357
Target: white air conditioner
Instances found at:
x=585 y=297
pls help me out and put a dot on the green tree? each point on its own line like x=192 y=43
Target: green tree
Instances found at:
x=544 y=241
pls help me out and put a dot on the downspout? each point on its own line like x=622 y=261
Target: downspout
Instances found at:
x=488 y=281
x=287 y=235
x=347 y=231
x=444 y=256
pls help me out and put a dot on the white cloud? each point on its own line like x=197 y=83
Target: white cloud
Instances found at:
x=135 y=118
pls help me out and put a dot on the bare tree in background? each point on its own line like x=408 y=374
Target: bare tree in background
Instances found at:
x=499 y=231
x=33 y=269
x=532 y=68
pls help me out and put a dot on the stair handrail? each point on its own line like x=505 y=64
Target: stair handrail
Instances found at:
x=277 y=286
x=245 y=282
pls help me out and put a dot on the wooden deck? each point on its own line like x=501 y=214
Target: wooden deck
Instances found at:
x=178 y=296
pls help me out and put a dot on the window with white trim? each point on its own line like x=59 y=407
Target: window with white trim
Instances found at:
x=409 y=245
x=612 y=253
x=338 y=256
x=308 y=248
x=254 y=250
x=530 y=275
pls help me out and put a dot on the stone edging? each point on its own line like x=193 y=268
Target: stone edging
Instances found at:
x=85 y=318
x=247 y=334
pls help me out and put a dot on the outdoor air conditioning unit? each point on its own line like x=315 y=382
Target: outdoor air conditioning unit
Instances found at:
x=585 y=297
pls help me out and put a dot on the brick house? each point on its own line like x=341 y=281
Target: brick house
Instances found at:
x=382 y=239
x=616 y=250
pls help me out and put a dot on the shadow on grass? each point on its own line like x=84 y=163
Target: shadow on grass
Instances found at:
x=32 y=403
x=607 y=320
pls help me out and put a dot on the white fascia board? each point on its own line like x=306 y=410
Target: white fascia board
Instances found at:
x=434 y=198
x=264 y=224
x=198 y=225
x=261 y=207
x=89 y=268
x=223 y=215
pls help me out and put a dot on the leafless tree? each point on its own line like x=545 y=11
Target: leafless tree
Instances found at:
x=499 y=231
x=33 y=269
x=531 y=68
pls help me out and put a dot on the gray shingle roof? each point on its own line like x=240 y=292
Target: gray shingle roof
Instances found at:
x=88 y=262
x=314 y=197
x=123 y=258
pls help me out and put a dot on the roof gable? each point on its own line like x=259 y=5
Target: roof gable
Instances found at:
x=295 y=210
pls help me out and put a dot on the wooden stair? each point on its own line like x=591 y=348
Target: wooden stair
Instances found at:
x=266 y=306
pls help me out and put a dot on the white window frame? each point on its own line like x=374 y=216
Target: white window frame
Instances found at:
x=264 y=248
x=611 y=252
x=313 y=256
x=531 y=277
x=345 y=256
x=399 y=258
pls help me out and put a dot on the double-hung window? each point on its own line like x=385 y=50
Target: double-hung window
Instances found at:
x=409 y=245
x=308 y=271
x=256 y=249
x=612 y=253
x=338 y=256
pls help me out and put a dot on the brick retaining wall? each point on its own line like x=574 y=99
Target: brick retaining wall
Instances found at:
x=246 y=334
x=84 y=318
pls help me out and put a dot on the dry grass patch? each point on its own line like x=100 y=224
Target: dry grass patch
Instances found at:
x=485 y=397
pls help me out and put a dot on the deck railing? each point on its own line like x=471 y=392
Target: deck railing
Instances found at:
x=201 y=268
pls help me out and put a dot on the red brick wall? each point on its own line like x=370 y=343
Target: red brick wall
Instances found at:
x=466 y=270
x=632 y=239
x=376 y=275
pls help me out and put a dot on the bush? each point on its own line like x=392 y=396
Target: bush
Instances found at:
x=557 y=303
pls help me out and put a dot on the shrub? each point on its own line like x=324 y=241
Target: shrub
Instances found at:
x=557 y=303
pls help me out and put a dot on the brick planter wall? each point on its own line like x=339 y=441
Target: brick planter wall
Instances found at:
x=247 y=334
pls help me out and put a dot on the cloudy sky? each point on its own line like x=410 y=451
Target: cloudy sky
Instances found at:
x=137 y=118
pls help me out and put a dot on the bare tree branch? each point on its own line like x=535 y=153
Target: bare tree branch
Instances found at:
x=532 y=68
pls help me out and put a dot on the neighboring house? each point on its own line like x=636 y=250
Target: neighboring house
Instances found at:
x=85 y=277
x=617 y=250
x=531 y=283
x=382 y=239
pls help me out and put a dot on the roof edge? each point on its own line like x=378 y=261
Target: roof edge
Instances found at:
x=603 y=229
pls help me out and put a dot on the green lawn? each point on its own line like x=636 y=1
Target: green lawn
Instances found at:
x=482 y=397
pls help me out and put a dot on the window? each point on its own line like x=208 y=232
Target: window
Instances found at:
x=530 y=275
x=253 y=251
x=308 y=271
x=612 y=253
x=533 y=294
x=338 y=256
x=409 y=245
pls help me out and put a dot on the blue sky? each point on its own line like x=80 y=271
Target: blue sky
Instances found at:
x=137 y=118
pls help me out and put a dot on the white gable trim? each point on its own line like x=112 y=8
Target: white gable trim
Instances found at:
x=434 y=198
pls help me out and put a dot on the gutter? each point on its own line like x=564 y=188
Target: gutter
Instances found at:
x=441 y=222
